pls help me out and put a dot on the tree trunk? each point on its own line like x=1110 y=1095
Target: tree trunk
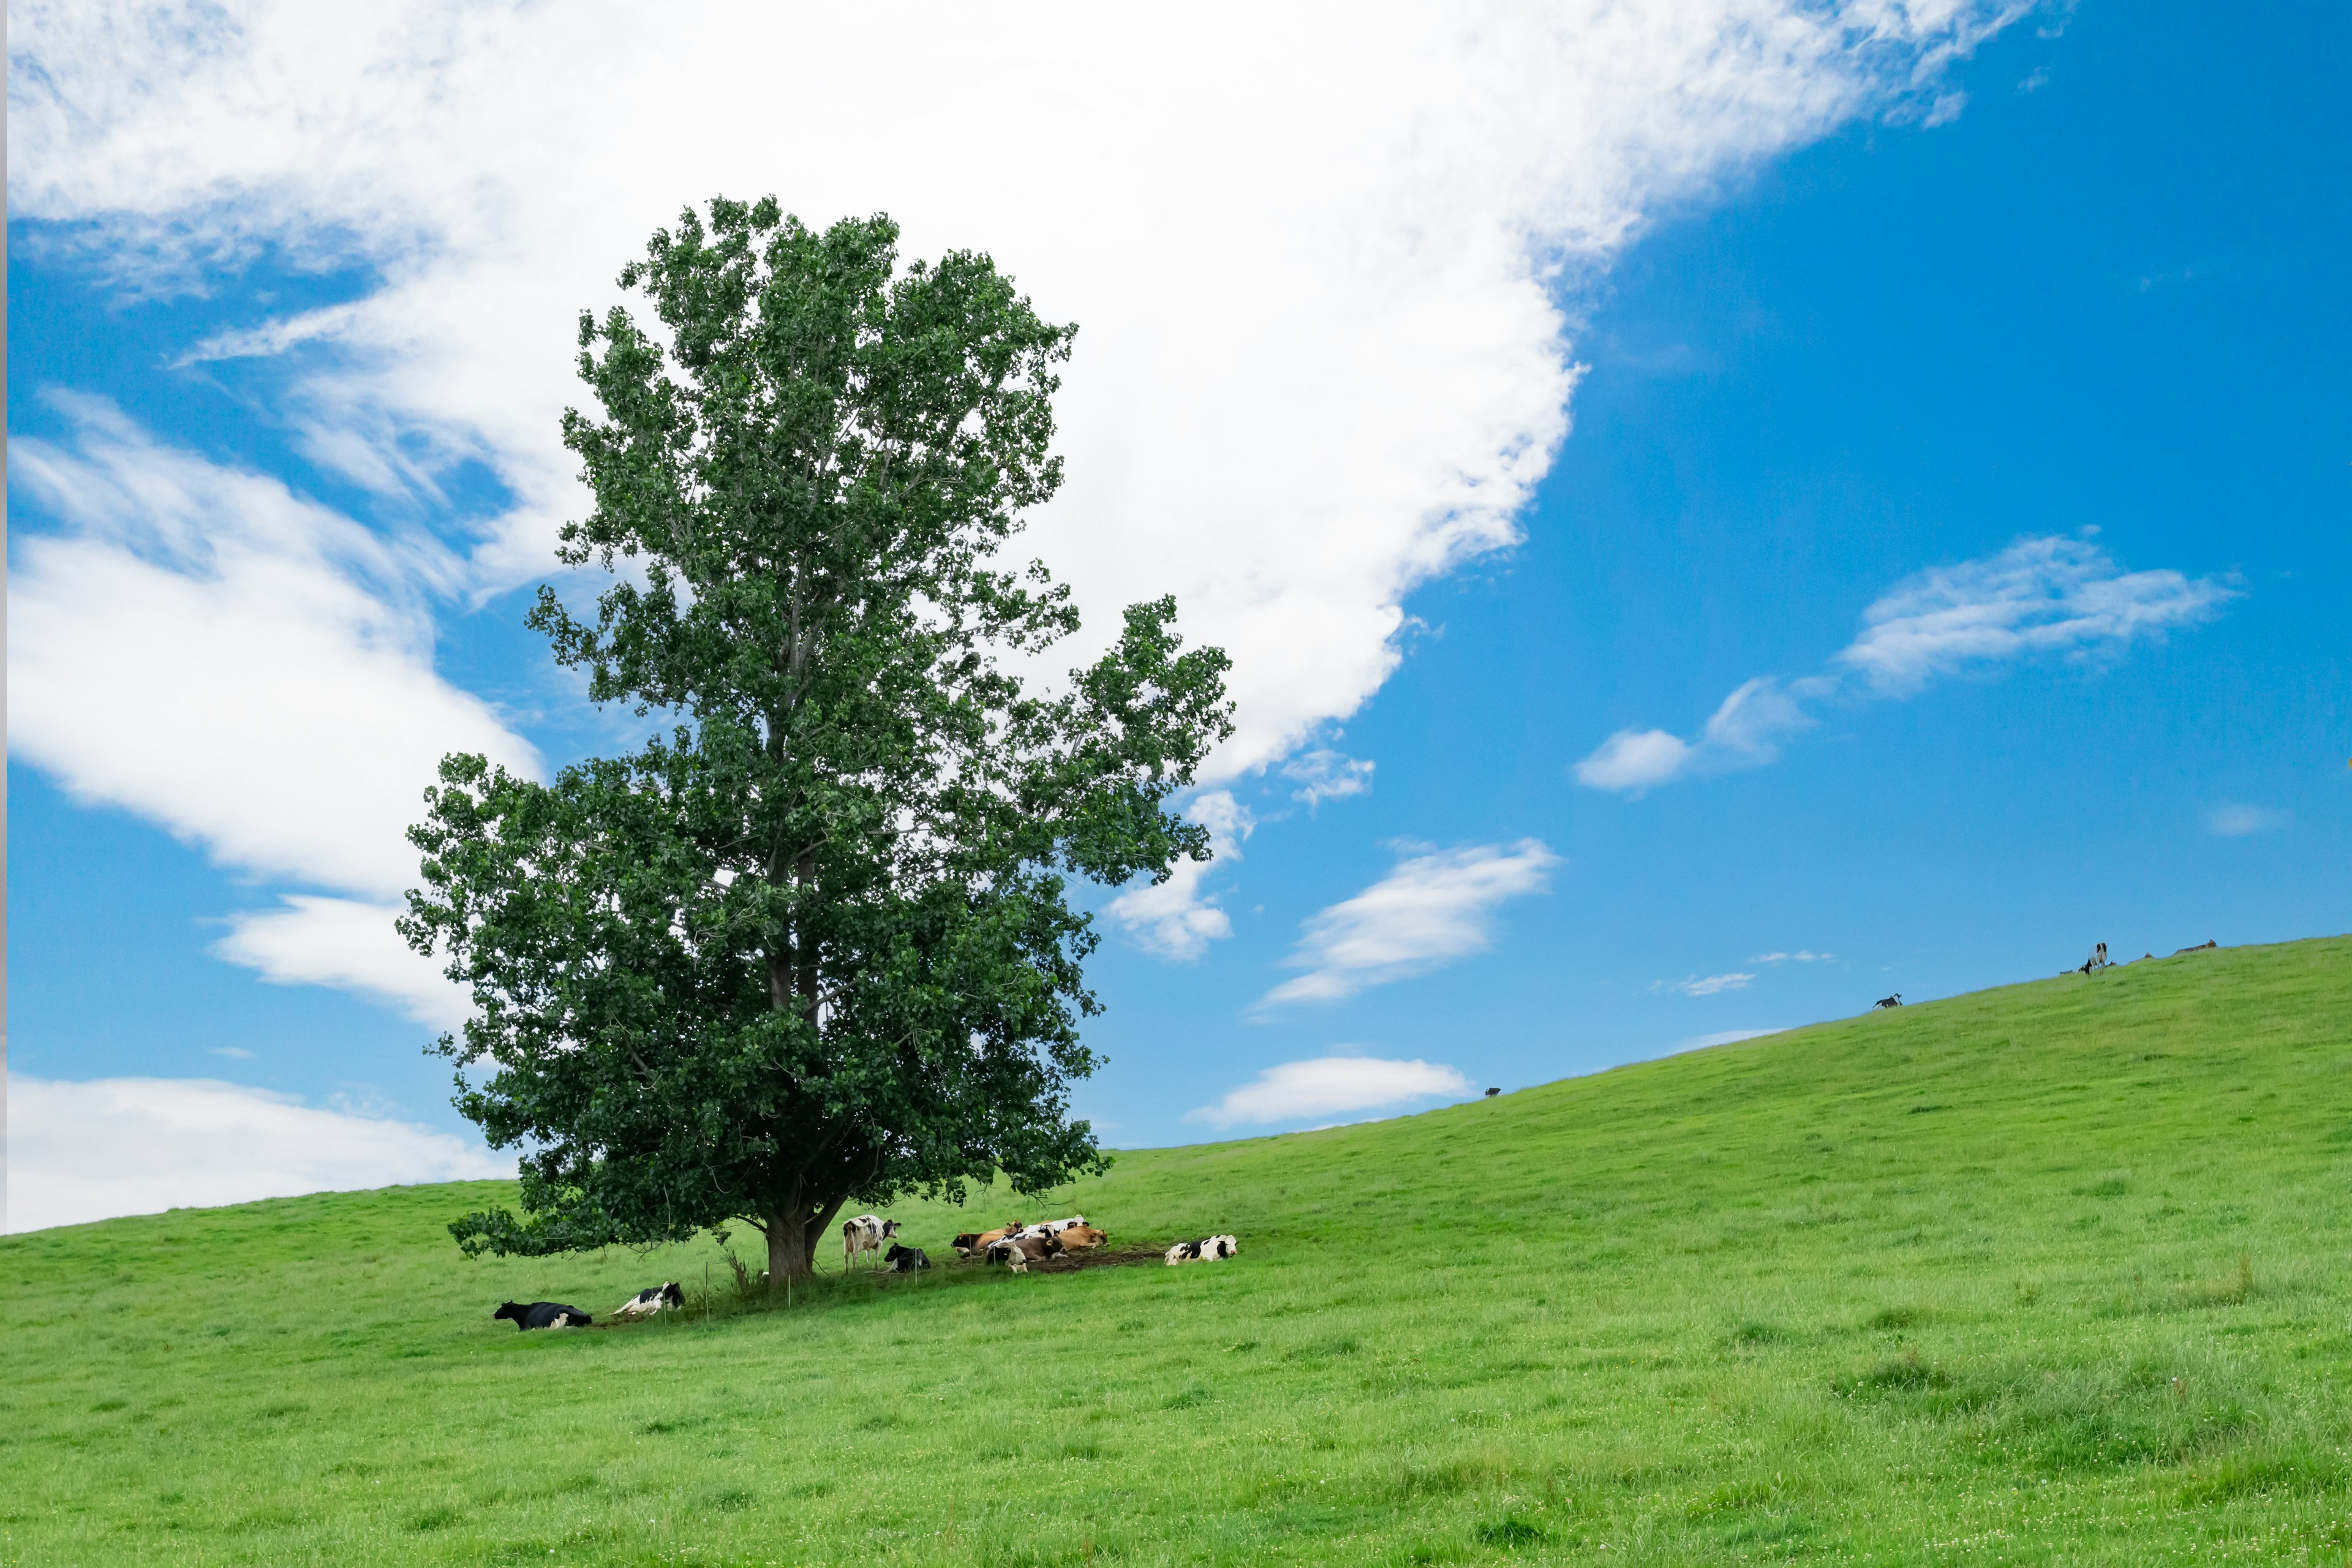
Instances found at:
x=790 y=1255
x=794 y=1237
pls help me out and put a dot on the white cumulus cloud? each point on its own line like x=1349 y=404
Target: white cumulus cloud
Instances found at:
x=1180 y=918
x=2040 y=597
x=81 y=1151
x=1433 y=909
x=1331 y=1086
x=252 y=671
x=348 y=943
x=1319 y=252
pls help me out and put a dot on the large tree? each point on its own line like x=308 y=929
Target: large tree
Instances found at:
x=813 y=943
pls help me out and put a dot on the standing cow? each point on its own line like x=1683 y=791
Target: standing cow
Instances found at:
x=867 y=1233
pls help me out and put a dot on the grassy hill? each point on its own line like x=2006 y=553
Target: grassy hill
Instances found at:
x=2054 y=1273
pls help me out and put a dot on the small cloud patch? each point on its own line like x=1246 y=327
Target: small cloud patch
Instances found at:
x=2243 y=821
x=1705 y=985
x=1332 y=1086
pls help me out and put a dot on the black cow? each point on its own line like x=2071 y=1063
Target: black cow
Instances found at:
x=544 y=1315
x=905 y=1259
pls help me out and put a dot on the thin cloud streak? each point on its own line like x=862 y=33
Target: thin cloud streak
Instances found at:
x=2041 y=597
x=1432 y=910
x=1708 y=985
x=1331 y=1086
x=1720 y=1038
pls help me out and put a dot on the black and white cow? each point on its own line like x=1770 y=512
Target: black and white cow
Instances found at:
x=542 y=1315
x=649 y=1301
x=905 y=1259
x=1208 y=1249
x=867 y=1233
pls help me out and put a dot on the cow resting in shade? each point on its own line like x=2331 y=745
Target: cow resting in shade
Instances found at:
x=652 y=1300
x=528 y=1315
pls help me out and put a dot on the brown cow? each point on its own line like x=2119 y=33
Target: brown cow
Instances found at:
x=1080 y=1238
x=1018 y=1252
x=968 y=1244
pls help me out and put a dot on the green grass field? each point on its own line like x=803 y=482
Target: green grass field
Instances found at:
x=2058 y=1273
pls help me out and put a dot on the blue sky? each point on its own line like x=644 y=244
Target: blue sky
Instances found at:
x=2035 y=369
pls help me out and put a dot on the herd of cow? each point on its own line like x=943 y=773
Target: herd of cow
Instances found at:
x=1011 y=1246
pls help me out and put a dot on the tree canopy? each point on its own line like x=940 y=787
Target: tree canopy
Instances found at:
x=814 y=942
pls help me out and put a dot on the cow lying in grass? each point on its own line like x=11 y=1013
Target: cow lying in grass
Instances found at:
x=1208 y=1249
x=972 y=1244
x=1051 y=1226
x=542 y=1315
x=649 y=1301
x=864 y=1233
x=1017 y=1252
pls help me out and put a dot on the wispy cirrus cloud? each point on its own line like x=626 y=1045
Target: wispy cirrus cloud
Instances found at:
x=1324 y=774
x=1705 y=985
x=1435 y=907
x=1332 y=1086
x=2042 y=597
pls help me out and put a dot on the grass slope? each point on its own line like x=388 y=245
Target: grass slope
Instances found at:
x=2056 y=1273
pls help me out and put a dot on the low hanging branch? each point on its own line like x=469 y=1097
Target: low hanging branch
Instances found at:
x=812 y=944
